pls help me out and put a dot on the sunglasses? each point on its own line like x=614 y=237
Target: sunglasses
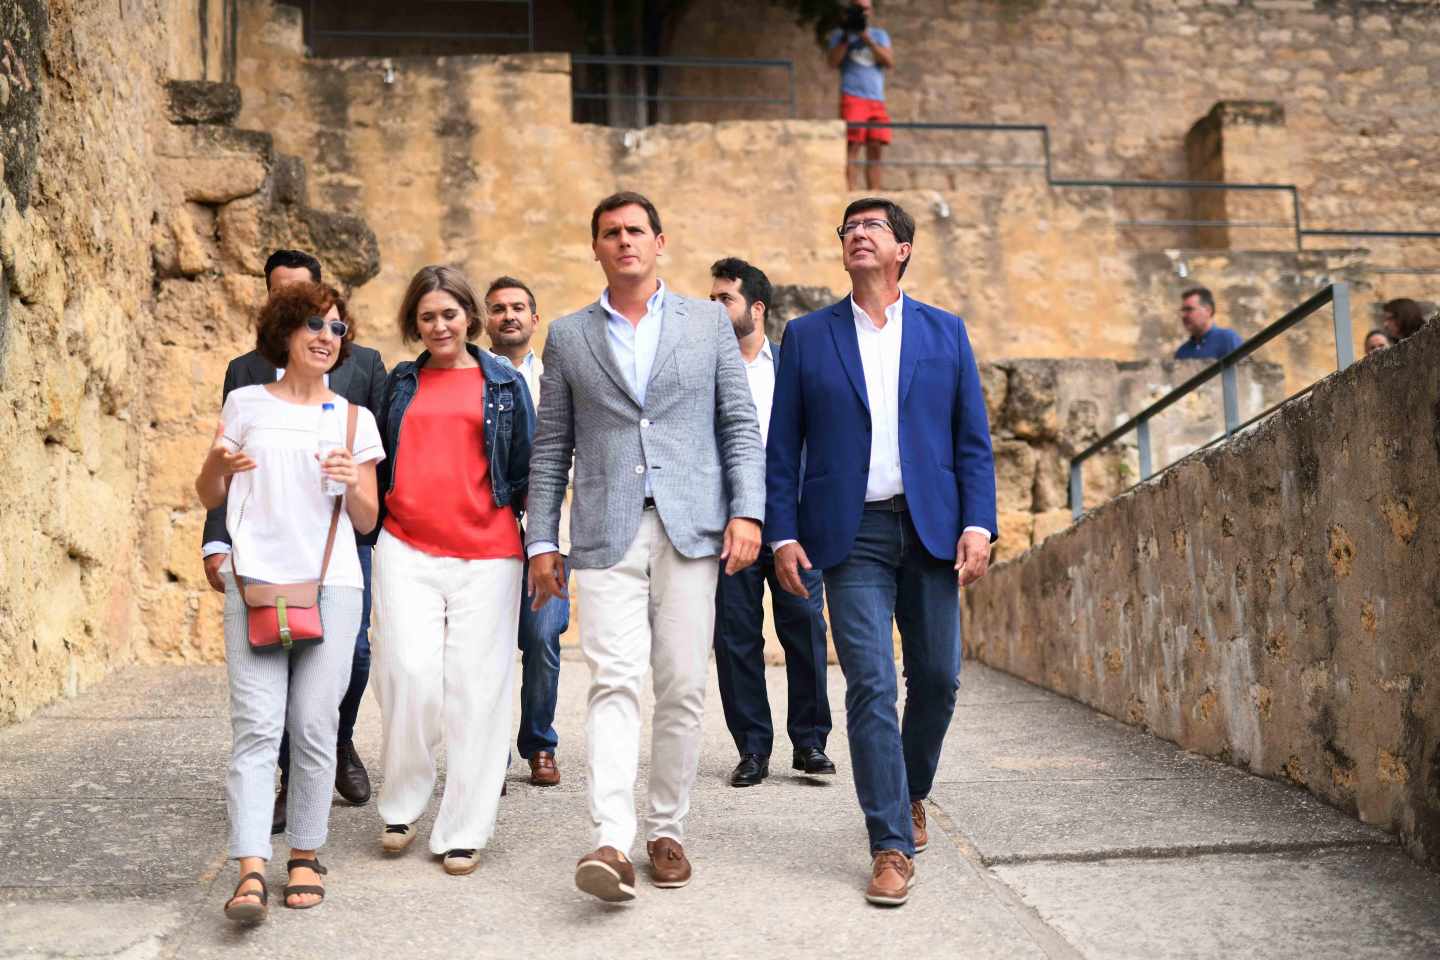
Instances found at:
x=337 y=327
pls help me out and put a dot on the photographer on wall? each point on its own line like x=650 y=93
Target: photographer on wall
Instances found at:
x=862 y=53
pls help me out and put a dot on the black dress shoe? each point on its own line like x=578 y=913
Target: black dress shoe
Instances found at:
x=753 y=768
x=277 y=818
x=812 y=762
x=351 y=780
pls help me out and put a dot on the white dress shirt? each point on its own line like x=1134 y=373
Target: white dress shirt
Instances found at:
x=880 y=359
x=760 y=372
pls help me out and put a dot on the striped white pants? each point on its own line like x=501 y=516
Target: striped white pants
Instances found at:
x=268 y=690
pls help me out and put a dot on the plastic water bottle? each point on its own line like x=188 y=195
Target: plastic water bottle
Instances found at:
x=327 y=440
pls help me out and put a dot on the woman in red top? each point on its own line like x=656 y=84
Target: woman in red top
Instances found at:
x=457 y=426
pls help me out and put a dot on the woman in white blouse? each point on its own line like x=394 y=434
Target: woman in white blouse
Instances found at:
x=278 y=516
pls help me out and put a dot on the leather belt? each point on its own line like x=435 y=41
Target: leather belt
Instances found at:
x=895 y=504
x=649 y=503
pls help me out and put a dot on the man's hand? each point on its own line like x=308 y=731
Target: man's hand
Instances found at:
x=213 y=563
x=972 y=556
x=546 y=579
x=789 y=561
x=742 y=544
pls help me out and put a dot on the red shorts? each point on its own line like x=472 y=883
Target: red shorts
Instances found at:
x=860 y=110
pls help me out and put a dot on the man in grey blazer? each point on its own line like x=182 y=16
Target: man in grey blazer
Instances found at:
x=646 y=390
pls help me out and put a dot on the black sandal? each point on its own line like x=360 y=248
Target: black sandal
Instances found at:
x=249 y=911
x=292 y=889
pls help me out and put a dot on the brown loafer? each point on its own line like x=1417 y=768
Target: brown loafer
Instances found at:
x=668 y=866
x=917 y=819
x=607 y=875
x=543 y=770
x=892 y=874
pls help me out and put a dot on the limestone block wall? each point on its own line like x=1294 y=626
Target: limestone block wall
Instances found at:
x=1120 y=83
x=1270 y=602
x=75 y=211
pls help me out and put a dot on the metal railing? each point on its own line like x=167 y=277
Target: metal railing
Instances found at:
x=313 y=32
x=1295 y=224
x=640 y=94
x=1337 y=294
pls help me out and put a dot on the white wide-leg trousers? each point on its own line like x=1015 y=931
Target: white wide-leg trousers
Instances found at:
x=443 y=662
x=654 y=609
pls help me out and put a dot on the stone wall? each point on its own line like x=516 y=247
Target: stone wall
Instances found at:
x=1271 y=602
x=133 y=220
x=1121 y=82
x=75 y=209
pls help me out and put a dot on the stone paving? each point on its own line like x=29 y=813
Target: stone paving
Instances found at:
x=1055 y=832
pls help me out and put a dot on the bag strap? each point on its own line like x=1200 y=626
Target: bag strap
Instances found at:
x=352 y=416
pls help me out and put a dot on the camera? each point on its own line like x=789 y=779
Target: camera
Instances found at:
x=854 y=19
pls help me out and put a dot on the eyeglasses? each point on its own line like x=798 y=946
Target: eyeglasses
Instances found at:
x=866 y=226
x=337 y=327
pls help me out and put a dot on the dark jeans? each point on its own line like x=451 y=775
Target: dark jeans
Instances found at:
x=889 y=574
x=359 y=672
x=740 y=656
x=539 y=643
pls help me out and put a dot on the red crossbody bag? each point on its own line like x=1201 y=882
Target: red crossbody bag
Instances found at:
x=283 y=616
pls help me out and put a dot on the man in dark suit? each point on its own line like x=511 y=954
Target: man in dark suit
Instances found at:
x=360 y=379
x=744 y=291
x=878 y=404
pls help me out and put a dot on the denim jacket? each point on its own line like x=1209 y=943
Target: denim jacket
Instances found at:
x=509 y=424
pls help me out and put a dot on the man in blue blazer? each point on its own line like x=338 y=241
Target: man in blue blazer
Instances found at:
x=879 y=473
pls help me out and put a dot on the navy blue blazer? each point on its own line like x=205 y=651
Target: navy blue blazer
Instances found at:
x=821 y=410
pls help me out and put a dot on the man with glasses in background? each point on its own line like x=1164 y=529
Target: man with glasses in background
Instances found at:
x=878 y=403
x=360 y=379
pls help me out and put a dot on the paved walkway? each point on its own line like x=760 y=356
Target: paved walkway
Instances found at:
x=1055 y=832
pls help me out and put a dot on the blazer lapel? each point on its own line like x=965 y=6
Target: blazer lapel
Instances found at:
x=341 y=376
x=673 y=320
x=596 y=338
x=912 y=344
x=847 y=344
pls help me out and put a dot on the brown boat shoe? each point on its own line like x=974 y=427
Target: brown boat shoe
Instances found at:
x=606 y=874
x=544 y=772
x=917 y=820
x=892 y=874
x=669 y=867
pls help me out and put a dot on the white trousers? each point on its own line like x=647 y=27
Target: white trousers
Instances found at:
x=654 y=609
x=443 y=668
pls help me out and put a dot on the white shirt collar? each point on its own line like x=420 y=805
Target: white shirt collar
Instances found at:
x=529 y=360
x=652 y=305
x=893 y=312
x=764 y=353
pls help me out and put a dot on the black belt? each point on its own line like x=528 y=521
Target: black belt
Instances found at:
x=895 y=504
x=649 y=503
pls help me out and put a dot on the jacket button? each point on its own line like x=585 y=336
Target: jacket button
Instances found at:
x=644 y=423
x=640 y=468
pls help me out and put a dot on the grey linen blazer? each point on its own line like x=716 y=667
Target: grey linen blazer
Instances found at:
x=696 y=436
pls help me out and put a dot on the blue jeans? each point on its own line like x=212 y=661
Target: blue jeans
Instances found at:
x=889 y=574
x=740 y=656
x=359 y=672
x=539 y=643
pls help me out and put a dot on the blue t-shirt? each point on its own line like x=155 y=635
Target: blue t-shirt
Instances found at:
x=1216 y=343
x=860 y=75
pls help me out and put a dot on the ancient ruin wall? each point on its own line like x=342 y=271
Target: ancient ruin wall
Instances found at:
x=1120 y=82
x=1271 y=602
x=75 y=212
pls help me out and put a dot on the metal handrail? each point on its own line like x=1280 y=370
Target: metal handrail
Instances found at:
x=1296 y=224
x=723 y=63
x=1337 y=294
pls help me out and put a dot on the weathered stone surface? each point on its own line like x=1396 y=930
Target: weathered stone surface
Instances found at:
x=1258 y=603
x=214 y=179
x=201 y=101
x=1014 y=475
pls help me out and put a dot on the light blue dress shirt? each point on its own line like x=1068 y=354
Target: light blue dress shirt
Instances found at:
x=633 y=346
